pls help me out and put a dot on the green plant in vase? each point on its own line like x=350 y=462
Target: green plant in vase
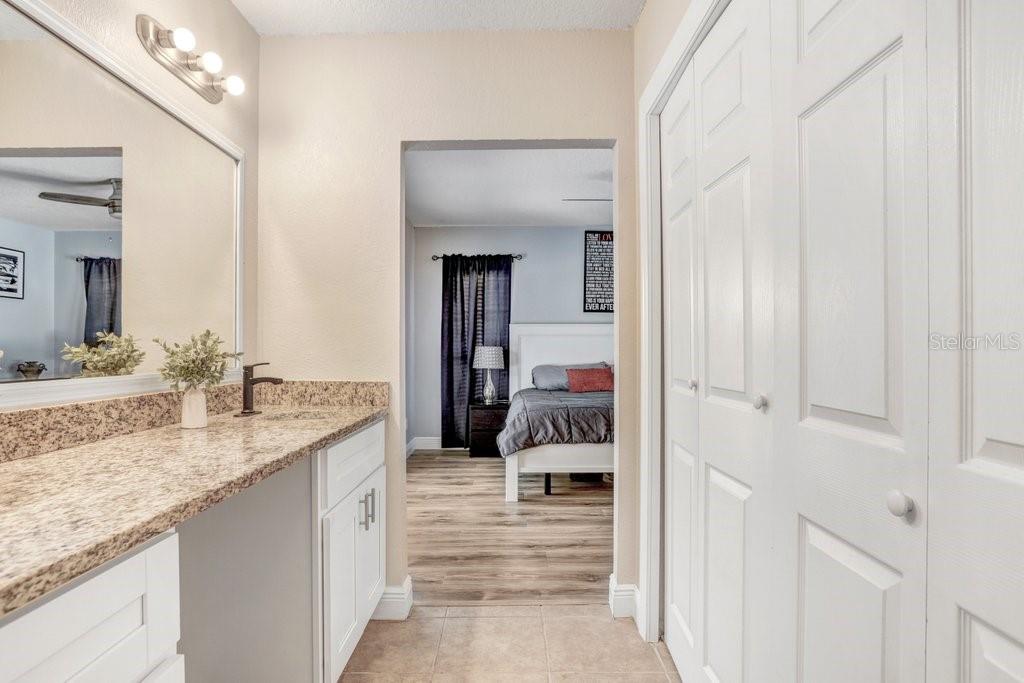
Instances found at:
x=112 y=355
x=192 y=366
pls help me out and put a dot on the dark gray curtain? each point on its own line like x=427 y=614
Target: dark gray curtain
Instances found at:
x=476 y=300
x=102 y=297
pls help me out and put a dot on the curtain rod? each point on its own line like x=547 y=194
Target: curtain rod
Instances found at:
x=438 y=257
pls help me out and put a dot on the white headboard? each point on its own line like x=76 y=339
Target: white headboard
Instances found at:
x=533 y=344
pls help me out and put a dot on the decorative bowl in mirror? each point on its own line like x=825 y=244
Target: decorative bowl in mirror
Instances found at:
x=71 y=289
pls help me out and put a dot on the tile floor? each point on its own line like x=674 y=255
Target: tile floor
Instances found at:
x=484 y=643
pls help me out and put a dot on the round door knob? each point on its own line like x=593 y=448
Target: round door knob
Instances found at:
x=692 y=384
x=899 y=503
x=761 y=402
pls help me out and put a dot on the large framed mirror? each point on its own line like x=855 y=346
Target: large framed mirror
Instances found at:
x=120 y=214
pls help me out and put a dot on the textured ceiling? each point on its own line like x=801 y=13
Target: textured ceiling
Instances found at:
x=303 y=17
x=508 y=187
x=23 y=178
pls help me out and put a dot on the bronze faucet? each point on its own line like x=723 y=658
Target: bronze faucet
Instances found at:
x=248 y=382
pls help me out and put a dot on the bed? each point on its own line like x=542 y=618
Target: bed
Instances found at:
x=580 y=419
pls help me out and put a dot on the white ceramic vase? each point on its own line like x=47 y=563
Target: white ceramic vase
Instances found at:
x=193 y=409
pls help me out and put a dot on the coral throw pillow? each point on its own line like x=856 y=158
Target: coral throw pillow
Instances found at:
x=590 y=379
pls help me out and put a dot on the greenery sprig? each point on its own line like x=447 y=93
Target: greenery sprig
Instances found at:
x=199 y=362
x=113 y=355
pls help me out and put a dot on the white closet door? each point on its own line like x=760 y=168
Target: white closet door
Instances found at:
x=976 y=474
x=680 y=329
x=850 y=338
x=717 y=281
x=733 y=141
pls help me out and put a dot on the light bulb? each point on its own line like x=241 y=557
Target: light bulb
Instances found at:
x=183 y=39
x=211 y=62
x=233 y=85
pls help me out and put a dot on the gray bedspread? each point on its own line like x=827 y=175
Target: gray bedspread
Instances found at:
x=537 y=417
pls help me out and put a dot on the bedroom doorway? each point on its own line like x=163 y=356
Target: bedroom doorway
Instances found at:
x=509 y=252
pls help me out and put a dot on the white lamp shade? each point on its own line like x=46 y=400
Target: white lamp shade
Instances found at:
x=489 y=358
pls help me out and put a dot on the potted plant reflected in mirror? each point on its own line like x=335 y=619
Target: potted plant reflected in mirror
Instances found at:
x=31 y=369
x=111 y=356
x=195 y=365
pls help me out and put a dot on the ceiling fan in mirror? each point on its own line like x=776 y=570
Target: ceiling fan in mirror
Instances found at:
x=112 y=203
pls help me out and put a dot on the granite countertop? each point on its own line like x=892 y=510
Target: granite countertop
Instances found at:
x=66 y=512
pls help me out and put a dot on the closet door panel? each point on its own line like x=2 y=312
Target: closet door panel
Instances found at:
x=851 y=183
x=680 y=588
x=727 y=284
x=681 y=330
x=725 y=568
x=976 y=474
x=852 y=385
x=838 y=578
x=733 y=180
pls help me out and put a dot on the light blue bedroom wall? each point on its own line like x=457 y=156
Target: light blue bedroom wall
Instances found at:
x=26 y=325
x=547 y=287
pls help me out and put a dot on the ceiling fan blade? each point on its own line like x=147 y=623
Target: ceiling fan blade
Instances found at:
x=74 y=199
x=586 y=199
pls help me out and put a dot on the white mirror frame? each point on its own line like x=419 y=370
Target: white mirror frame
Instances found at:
x=17 y=395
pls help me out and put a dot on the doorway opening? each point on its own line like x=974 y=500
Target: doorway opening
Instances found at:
x=508 y=251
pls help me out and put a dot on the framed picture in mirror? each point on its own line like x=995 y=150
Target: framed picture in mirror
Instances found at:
x=12 y=273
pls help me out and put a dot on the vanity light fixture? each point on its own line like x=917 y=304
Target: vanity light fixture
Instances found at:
x=209 y=61
x=173 y=48
x=178 y=38
x=233 y=85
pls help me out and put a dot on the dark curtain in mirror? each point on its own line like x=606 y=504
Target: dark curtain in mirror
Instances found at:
x=102 y=297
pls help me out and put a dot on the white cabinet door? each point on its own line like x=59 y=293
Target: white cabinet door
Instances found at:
x=370 y=549
x=976 y=472
x=850 y=338
x=119 y=625
x=342 y=629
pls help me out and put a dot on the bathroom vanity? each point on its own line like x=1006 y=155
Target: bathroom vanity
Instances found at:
x=251 y=550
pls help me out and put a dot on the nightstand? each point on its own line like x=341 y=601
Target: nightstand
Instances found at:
x=484 y=424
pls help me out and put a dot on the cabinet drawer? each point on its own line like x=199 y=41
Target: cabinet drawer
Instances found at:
x=116 y=626
x=487 y=419
x=347 y=463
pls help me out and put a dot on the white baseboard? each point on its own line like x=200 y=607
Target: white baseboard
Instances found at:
x=396 y=602
x=424 y=443
x=622 y=598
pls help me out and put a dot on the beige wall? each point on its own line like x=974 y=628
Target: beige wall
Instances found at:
x=334 y=112
x=218 y=26
x=651 y=34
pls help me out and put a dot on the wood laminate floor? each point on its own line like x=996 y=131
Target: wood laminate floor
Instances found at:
x=468 y=546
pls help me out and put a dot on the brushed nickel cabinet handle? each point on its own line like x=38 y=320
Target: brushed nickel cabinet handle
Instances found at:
x=365 y=523
x=373 y=505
